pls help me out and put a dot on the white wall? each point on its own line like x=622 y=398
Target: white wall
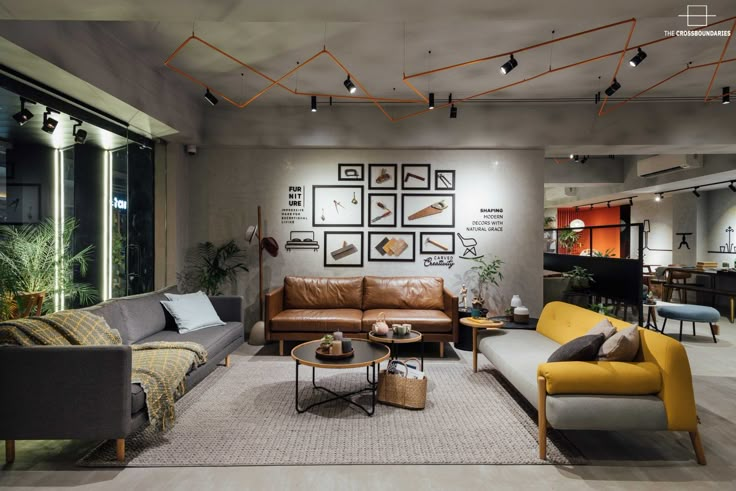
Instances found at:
x=226 y=184
x=659 y=215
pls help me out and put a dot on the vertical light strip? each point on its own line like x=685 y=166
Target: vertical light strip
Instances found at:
x=62 y=217
x=109 y=220
x=105 y=226
x=56 y=230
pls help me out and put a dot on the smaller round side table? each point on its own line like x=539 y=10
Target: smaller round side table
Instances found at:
x=395 y=342
x=475 y=325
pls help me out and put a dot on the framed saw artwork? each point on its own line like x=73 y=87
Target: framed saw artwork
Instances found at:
x=382 y=210
x=428 y=210
x=350 y=172
x=337 y=206
x=382 y=176
x=391 y=246
x=343 y=249
x=437 y=243
x=416 y=176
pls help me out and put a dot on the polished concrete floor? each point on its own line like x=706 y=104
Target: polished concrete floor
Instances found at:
x=618 y=460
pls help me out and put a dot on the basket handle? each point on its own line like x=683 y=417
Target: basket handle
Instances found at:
x=419 y=363
x=406 y=369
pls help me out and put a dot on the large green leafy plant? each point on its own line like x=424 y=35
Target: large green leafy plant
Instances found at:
x=213 y=265
x=28 y=264
x=488 y=272
x=568 y=239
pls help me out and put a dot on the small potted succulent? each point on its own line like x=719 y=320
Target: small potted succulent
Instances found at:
x=509 y=313
x=326 y=342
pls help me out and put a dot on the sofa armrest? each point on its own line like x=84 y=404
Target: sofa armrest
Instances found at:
x=601 y=377
x=274 y=305
x=65 y=392
x=450 y=304
x=229 y=309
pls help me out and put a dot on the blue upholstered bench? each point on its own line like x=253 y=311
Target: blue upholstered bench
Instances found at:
x=690 y=313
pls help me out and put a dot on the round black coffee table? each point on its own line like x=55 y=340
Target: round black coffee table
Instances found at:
x=367 y=355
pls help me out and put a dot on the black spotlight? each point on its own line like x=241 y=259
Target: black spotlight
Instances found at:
x=584 y=159
x=80 y=135
x=509 y=65
x=576 y=208
x=609 y=204
x=631 y=201
x=638 y=57
x=453 y=112
x=613 y=88
x=659 y=197
x=22 y=116
x=210 y=97
x=591 y=207
x=431 y=100
x=576 y=158
x=696 y=193
x=314 y=103
x=732 y=187
x=350 y=85
x=726 y=97
x=49 y=123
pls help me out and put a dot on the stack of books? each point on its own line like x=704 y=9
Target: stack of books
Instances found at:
x=703 y=265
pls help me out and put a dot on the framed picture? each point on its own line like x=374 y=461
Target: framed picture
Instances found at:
x=20 y=204
x=337 y=206
x=415 y=176
x=428 y=210
x=437 y=243
x=382 y=210
x=391 y=246
x=343 y=249
x=444 y=180
x=382 y=176
x=350 y=172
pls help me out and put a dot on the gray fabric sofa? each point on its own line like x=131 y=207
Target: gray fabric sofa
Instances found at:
x=85 y=392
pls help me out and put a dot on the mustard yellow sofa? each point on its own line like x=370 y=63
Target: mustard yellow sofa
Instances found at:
x=654 y=392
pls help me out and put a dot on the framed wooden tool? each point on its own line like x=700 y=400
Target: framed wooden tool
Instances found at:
x=444 y=180
x=437 y=243
x=350 y=172
x=382 y=210
x=382 y=176
x=416 y=176
x=391 y=246
x=343 y=249
x=428 y=210
x=337 y=206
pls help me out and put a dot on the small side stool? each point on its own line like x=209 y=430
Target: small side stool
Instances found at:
x=690 y=313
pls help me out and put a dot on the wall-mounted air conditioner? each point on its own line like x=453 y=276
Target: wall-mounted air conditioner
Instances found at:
x=663 y=164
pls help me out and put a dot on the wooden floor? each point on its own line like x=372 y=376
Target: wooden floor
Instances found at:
x=628 y=461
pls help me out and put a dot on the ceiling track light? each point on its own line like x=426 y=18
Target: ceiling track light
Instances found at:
x=659 y=197
x=210 y=97
x=431 y=100
x=591 y=207
x=613 y=88
x=509 y=65
x=80 y=135
x=24 y=115
x=609 y=204
x=597 y=97
x=726 y=97
x=576 y=157
x=49 y=123
x=576 y=208
x=732 y=187
x=584 y=159
x=631 y=201
x=453 y=109
x=638 y=57
x=314 y=103
x=349 y=85
x=695 y=192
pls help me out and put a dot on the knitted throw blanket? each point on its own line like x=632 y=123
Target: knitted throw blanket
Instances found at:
x=159 y=367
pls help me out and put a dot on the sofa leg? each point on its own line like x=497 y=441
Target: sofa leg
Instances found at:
x=120 y=449
x=698 y=447
x=9 y=451
x=281 y=347
x=227 y=361
x=542 y=412
x=442 y=349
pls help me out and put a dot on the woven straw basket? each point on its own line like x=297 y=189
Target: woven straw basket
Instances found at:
x=397 y=390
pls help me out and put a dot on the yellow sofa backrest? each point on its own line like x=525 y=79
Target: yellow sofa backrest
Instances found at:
x=563 y=322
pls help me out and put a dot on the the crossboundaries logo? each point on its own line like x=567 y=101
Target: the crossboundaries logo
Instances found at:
x=698 y=17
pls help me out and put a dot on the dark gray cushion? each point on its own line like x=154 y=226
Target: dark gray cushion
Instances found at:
x=584 y=348
x=214 y=339
x=142 y=315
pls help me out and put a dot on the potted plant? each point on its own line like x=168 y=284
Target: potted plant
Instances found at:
x=606 y=253
x=601 y=308
x=568 y=239
x=488 y=272
x=580 y=278
x=213 y=265
x=36 y=258
x=509 y=313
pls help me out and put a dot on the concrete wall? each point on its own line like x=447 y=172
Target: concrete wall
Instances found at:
x=659 y=237
x=226 y=184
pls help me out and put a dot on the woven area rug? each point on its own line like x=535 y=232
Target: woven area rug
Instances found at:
x=244 y=415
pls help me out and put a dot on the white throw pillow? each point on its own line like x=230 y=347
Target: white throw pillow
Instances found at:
x=192 y=311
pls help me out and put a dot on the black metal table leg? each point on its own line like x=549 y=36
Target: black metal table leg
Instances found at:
x=372 y=386
x=421 y=351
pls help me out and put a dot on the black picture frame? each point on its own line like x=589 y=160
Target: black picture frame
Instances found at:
x=375 y=169
x=328 y=252
x=431 y=198
x=425 y=172
x=35 y=195
x=387 y=235
x=342 y=168
x=386 y=222
x=434 y=250
x=318 y=205
x=439 y=184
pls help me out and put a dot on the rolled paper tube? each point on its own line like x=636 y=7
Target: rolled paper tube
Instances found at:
x=347 y=345
x=336 y=348
x=337 y=335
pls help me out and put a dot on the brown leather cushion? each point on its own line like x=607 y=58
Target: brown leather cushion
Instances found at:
x=416 y=292
x=301 y=292
x=421 y=320
x=320 y=320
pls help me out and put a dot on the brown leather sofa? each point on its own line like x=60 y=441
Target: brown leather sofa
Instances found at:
x=306 y=308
